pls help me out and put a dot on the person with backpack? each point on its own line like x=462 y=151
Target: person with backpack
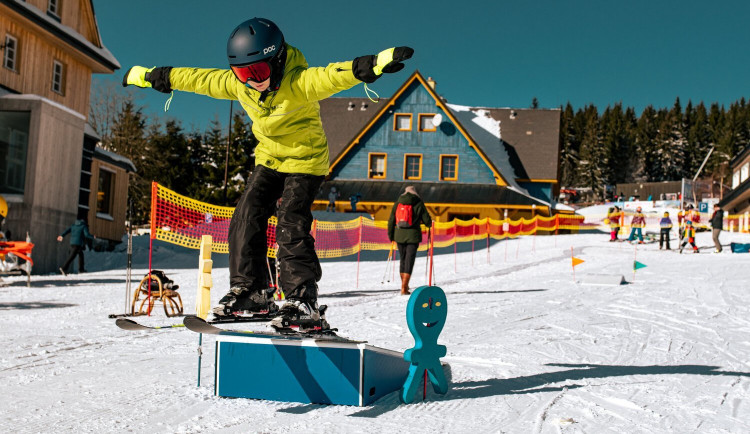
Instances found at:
x=404 y=228
x=280 y=92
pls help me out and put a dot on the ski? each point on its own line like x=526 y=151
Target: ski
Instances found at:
x=129 y=324
x=199 y=325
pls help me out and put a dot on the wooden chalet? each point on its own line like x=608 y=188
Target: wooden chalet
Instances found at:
x=49 y=172
x=737 y=201
x=464 y=161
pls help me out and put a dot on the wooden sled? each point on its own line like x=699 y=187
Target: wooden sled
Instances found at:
x=169 y=297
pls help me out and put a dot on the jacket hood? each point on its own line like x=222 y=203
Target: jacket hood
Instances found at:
x=294 y=59
x=408 y=199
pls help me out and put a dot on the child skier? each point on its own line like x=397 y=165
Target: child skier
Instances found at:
x=280 y=93
x=666 y=227
x=637 y=224
x=689 y=230
x=614 y=222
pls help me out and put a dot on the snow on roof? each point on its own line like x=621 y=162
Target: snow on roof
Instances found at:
x=487 y=134
x=30 y=96
x=102 y=51
x=124 y=161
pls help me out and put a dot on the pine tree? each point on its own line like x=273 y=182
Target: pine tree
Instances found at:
x=645 y=140
x=570 y=146
x=591 y=168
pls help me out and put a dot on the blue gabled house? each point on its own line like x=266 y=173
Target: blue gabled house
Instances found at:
x=464 y=161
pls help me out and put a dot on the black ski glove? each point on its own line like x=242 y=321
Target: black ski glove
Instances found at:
x=370 y=68
x=157 y=78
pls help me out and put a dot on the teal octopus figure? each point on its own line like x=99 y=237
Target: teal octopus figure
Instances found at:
x=426 y=313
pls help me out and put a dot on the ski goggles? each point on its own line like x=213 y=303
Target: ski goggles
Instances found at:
x=255 y=72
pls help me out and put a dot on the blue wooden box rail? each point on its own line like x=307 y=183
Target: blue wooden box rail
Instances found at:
x=307 y=371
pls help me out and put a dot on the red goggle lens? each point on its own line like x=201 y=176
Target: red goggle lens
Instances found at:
x=257 y=72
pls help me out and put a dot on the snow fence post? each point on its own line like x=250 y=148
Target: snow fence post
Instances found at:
x=203 y=298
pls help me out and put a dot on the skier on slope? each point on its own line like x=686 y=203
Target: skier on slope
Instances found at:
x=280 y=93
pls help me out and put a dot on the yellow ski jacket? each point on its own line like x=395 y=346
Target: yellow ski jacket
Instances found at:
x=287 y=123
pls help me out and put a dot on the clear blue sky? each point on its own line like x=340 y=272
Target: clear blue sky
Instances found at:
x=481 y=53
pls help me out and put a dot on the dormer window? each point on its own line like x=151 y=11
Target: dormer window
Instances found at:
x=10 y=53
x=53 y=9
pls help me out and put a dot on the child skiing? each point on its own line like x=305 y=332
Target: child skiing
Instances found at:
x=637 y=224
x=689 y=230
x=614 y=222
x=280 y=93
x=666 y=227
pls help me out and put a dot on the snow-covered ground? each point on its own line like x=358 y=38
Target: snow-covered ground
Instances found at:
x=529 y=349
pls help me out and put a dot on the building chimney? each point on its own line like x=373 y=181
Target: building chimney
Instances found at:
x=431 y=82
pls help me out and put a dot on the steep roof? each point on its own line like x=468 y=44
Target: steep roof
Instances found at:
x=341 y=124
x=431 y=193
x=96 y=51
x=532 y=137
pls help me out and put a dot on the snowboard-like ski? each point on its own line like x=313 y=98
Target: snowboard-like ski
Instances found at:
x=199 y=325
x=129 y=324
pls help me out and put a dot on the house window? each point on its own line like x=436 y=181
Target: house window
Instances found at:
x=449 y=167
x=402 y=122
x=412 y=166
x=425 y=122
x=53 y=8
x=377 y=166
x=14 y=144
x=744 y=172
x=58 y=77
x=736 y=179
x=104 y=192
x=10 y=53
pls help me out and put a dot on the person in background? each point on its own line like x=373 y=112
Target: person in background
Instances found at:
x=404 y=229
x=614 y=222
x=717 y=224
x=666 y=227
x=332 y=196
x=79 y=233
x=354 y=200
x=688 y=235
x=637 y=224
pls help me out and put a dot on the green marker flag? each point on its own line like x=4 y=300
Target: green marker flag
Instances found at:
x=637 y=265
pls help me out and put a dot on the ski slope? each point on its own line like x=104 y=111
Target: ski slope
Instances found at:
x=529 y=349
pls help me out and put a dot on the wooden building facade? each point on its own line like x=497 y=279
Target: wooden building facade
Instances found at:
x=457 y=157
x=48 y=53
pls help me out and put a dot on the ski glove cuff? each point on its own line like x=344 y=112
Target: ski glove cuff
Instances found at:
x=157 y=78
x=370 y=68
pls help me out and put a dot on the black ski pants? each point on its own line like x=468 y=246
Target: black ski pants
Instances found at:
x=298 y=262
x=75 y=251
x=407 y=253
x=664 y=237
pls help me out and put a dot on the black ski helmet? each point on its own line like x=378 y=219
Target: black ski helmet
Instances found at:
x=256 y=40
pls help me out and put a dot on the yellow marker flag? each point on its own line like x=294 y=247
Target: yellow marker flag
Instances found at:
x=576 y=261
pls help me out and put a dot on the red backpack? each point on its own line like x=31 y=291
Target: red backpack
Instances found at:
x=403 y=215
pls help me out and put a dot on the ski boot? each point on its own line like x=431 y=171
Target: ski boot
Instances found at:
x=301 y=316
x=241 y=300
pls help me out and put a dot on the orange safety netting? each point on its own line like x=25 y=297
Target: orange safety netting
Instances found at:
x=181 y=220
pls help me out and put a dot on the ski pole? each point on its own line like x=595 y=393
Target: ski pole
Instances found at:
x=387 y=264
x=200 y=356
